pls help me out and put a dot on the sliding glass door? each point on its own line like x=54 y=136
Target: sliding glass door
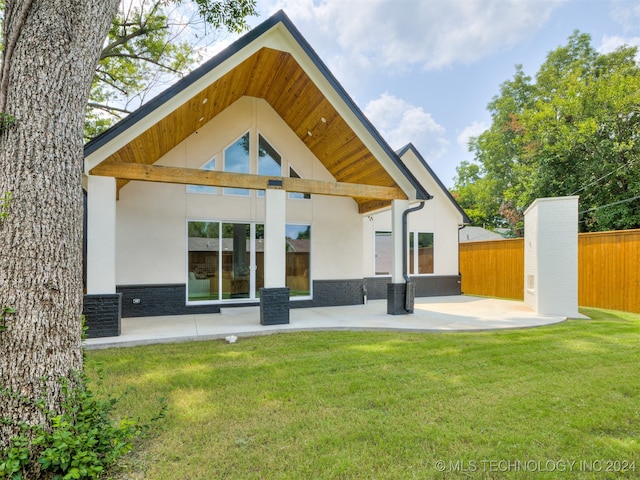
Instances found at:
x=225 y=261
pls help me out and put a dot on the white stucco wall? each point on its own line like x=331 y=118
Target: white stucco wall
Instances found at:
x=152 y=217
x=439 y=216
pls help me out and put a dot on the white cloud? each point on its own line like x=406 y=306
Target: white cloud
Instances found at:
x=401 y=123
x=298 y=10
x=397 y=34
x=473 y=130
x=626 y=13
x=612 y=42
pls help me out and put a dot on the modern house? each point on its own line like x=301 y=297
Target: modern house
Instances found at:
x=256 y=180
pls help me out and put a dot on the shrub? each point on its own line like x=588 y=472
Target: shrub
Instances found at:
x=82 y=440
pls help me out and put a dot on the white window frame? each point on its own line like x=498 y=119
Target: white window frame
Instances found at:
x=416 y=263
x=252 y=261
x=310 y=296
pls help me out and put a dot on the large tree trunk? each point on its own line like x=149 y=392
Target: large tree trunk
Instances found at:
x=51 y=50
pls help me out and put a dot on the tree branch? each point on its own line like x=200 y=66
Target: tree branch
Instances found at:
x=144 y=59
x=106 y=51
x=112 y=83
x=143 y=30
x=107 y=108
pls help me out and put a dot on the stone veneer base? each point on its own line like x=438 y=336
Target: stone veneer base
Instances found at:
x=102 y=314
x=274 y=306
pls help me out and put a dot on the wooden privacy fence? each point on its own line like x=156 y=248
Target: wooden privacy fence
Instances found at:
x=493 y=268
x=608 y=269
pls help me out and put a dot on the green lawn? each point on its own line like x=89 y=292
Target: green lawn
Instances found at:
x=553 y=402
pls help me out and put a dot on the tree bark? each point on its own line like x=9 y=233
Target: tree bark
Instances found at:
x=45 y=79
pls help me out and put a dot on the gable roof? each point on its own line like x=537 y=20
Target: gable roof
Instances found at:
x=274 y=62
x=445 y=190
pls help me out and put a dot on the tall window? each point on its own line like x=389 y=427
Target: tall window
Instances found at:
x=225 y=261
x=204 y=250
x=269 y=161
x=210 y=166
x=237 y=160
x=383 y=252
x=294 y=174
x=298 y=263
x=420 y=253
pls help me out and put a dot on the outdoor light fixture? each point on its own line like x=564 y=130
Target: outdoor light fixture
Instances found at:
x=315 y=127
x=205 y=101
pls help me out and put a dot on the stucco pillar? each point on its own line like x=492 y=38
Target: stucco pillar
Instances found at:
x=101 y=235
x=274 y=297
x=275 y=245
x=102 y=305
x=397 y=209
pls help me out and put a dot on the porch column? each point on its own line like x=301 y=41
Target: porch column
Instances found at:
x=396 y=290
x=102 y=305
x=274 y=297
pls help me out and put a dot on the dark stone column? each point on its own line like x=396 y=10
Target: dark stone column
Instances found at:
x=102 y=314
x=396 y=298
x=274 y=306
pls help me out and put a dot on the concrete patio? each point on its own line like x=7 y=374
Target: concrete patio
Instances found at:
x=432 y=314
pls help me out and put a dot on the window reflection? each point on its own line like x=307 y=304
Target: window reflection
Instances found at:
x=298 y=263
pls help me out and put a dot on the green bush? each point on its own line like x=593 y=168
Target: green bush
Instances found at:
x=82 y=442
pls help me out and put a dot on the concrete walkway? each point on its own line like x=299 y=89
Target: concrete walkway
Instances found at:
x=431 y=314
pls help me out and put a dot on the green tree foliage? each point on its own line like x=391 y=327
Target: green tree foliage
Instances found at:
x=150 y=43
x=573 y=130
x=473 y=193
x=304 y=234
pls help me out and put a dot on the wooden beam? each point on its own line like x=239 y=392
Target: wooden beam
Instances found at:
x=193 y=176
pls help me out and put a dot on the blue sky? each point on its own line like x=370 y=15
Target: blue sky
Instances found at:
x=423 y=71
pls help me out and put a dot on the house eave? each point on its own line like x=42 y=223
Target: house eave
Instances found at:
x=276 y=34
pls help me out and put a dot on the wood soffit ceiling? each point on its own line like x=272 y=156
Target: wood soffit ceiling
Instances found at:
x=276 y=77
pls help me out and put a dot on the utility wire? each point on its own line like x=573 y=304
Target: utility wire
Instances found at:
x=628 y=164
x=611 y=204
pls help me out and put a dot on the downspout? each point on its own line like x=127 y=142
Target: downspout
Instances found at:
x=409 y=297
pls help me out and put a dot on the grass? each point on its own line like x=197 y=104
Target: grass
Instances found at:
x=376 y=405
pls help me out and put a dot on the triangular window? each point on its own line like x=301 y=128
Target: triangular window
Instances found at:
x=210 y=166
x=294 y=174
x=269 y=161
x=236 y=160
